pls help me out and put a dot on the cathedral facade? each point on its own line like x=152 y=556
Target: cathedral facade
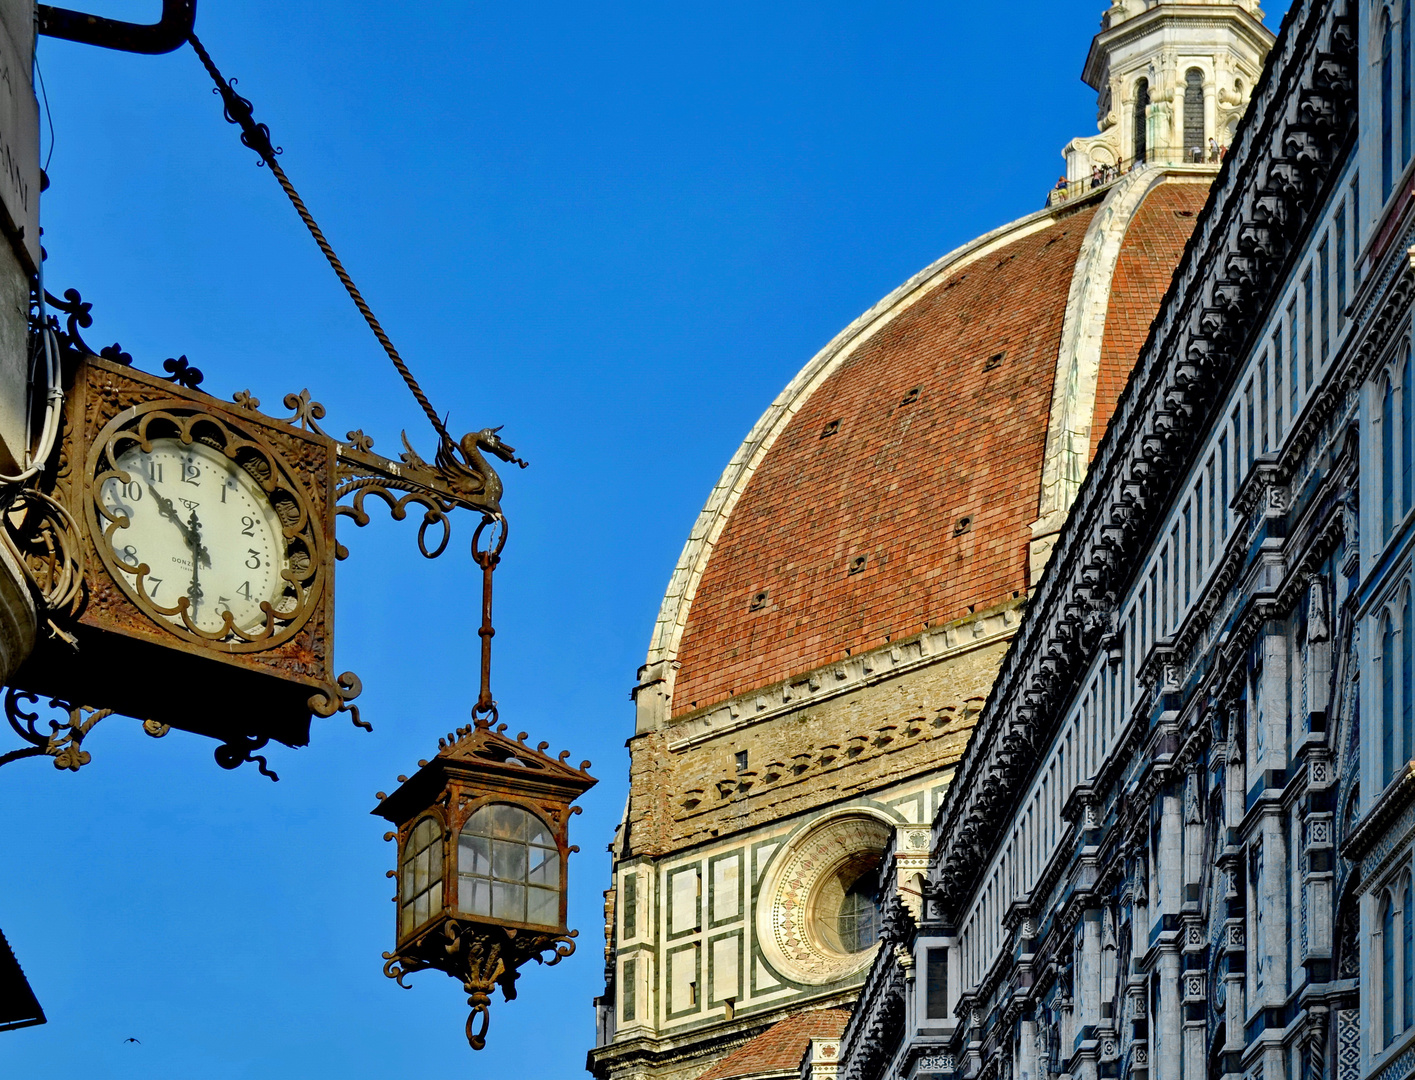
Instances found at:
x=822 y=671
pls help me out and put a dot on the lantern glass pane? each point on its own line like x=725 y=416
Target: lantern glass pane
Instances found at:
x=505 y=822
x=474 y=895
x=508 y=860
x=508 y=867
x=544 y=867
x=543 y=907
x=474 y=855
x=508 y=901
x=420 y=884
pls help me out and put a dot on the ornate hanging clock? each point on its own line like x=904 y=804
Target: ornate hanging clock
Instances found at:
x=206 y=527
x=199 y=535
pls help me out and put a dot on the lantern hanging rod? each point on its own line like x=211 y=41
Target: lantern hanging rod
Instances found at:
x=484 y=711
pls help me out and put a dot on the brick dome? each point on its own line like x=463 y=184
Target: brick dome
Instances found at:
x=902 y=479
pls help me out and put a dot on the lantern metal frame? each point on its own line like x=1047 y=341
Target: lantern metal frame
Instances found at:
x=475 y=767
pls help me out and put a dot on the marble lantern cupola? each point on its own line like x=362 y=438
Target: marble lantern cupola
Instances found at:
x=1171 y=76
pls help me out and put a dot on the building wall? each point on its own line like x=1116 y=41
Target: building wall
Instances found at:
x=740 y=810
x=20 y=261
x=1168 y=852
x=716 y=847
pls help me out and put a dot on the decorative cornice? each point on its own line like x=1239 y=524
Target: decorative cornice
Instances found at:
x=1398 y=794
x=821 y=684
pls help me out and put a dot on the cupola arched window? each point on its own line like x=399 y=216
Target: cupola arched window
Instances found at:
x=1407 y=677
x=1387 y=675
x=508 y=867
x=421 y=876
x=1387 y=112
x=1387 y=933
x=1404 y=81
x=1388 y=461
x=1142 y=104
x=1194 y=115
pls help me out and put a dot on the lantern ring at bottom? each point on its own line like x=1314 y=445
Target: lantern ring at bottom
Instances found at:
x=479 y=1003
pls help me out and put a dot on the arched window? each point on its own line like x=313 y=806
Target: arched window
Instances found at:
x=1407 y=961
x=1193 y=115
x=1387 y=700
x=1407 y=678
x=1387 y=117
x=421 y=876
x=1388 y=463
x=1404 y=81
x=508 y=867
x=1142 y=104
x=1387 y=969
x=1407 y=421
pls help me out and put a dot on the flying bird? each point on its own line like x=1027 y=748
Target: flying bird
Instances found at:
x=138 y=1041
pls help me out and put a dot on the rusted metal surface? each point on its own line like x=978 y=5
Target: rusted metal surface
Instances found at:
x=475 y=767
x=64 y=742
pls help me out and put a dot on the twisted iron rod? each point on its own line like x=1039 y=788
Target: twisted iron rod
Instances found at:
x=239 y=111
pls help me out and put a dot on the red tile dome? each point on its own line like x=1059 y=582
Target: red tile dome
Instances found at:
x=894 y=485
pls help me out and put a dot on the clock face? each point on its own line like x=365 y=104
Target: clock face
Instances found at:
x=199 y=535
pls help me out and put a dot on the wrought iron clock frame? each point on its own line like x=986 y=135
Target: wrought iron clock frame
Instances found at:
x=244 y=689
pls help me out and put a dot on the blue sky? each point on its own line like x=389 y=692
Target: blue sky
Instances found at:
x=617 y=229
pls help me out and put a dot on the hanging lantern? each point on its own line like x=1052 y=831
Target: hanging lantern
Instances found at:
x=482 y=833
x=482 y=852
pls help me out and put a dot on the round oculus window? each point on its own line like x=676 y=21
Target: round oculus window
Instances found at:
x=820 y=922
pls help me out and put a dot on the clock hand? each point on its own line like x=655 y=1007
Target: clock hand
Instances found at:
x=167 y=510
x=191 y=537
x=194 y=541
x=199 y=551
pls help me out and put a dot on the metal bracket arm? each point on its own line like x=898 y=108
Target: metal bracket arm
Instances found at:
x=461 y=478
x=163 y=36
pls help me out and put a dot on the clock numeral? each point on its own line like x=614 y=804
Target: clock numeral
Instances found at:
x=130 y=553
x=245 y=589
x=154 y=471
x=249 y=523
x=223 y=490
x=224 y=600
x=191 y=472
x=154 y=582
x=253 y=563
x=132 y=491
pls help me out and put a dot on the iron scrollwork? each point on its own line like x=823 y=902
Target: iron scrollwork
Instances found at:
x=484 y=957
x=458 y=477
x=78 y=316
x=65 y=738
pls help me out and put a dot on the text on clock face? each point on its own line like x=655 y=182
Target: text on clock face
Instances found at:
x=204 y=529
